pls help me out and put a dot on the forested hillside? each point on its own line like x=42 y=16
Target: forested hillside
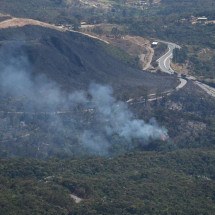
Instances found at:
x=179 y=182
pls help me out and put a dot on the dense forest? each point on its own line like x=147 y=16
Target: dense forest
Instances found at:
x=179 y=182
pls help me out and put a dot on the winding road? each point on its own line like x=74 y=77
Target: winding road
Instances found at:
x=164 y=61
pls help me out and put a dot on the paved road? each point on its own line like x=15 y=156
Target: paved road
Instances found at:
x=209 y=90
x=165 y=66
x=183 y=82
x=153 y=97
x=165 y=60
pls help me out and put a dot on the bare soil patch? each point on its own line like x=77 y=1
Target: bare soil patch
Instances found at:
x=21 y=22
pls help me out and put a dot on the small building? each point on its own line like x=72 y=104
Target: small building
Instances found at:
x=202 y=19
x=154 y=44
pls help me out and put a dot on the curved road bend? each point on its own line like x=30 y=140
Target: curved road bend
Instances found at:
x=164 y=61
x=165 y=66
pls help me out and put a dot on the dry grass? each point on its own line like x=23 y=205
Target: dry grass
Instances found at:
x=134 y=45
x=20 y=22
x=180 y=68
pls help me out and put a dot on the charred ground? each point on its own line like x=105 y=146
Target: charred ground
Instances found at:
x=42 y=68
x=74 y=61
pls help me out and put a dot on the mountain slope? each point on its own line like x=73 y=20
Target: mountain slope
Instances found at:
x=74 y=61
x=49 y=105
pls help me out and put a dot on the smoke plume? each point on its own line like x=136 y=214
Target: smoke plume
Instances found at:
x=97 y=120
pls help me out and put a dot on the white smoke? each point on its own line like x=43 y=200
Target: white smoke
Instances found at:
x=117 y=118
x=111 y=117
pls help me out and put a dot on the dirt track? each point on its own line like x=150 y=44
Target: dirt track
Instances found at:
x=135 y=43
x=20 y=22
x=144 y=46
